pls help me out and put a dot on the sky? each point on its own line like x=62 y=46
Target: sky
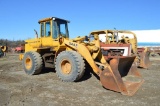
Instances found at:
x=19 y=18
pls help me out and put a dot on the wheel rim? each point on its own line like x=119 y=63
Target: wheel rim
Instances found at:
x=28 y=63
x=66 y=66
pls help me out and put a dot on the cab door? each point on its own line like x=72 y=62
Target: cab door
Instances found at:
x=46 y=35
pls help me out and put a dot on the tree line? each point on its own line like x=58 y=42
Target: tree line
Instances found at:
x=11 y=43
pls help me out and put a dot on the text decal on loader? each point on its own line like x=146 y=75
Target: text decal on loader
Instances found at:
x=73 y=44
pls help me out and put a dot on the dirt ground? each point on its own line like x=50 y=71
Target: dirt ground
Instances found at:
x=20 y=89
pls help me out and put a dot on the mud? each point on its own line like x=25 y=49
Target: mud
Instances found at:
x=45 y=89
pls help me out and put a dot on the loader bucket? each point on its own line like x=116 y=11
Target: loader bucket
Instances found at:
x=144 y=54
x=122 y=76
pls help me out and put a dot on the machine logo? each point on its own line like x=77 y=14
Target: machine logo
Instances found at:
x=73 y=44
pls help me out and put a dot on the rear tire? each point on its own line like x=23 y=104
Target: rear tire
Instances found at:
x=32 y=63
x=69 y=66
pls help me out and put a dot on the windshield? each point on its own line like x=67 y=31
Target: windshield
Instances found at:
x=91 y=37
x=62 y=28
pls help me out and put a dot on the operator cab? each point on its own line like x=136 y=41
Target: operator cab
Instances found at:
x=54 y=27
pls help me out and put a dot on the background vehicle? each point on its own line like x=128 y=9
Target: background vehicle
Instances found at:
x=20 y=48
x=3 y=50
x=127 y=37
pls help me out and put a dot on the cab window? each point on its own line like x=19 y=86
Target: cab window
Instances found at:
x=42 y=29
x=62 y=29
x=55 y=33
x=48 y=32
x=91 y=38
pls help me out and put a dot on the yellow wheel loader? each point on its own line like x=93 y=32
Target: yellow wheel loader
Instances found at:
x=3 y=50
x=127 y=37
x=69 y=57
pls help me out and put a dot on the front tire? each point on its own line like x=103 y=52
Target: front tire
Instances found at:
x=32 y=63
x=69 y=66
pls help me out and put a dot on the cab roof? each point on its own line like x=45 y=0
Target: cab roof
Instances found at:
x=52 y=18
